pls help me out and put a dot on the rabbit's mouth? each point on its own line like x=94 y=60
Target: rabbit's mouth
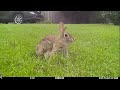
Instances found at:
x=71 y=40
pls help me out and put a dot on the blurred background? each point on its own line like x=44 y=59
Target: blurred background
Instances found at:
x=70 y=17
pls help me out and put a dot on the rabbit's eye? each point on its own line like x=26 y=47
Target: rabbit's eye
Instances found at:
x=66 y=35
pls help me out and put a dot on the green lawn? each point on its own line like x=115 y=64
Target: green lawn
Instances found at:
x=95 y=52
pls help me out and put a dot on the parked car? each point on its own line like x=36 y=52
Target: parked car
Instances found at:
x=20 y=17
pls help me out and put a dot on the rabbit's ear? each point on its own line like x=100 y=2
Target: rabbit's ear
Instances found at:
x=61 y=27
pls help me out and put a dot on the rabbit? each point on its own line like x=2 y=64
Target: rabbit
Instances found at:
x=52 y=44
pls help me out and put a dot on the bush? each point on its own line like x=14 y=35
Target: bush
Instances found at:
x=100 y=18
x=114 y=16
x=108 y=17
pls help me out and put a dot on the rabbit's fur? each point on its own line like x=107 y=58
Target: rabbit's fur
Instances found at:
x=53 y=43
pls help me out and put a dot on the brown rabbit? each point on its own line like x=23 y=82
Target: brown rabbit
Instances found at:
x=52 y=43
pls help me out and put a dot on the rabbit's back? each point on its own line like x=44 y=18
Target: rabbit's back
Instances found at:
x=47 y=42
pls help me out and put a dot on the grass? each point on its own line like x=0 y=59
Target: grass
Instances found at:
x=95 y=52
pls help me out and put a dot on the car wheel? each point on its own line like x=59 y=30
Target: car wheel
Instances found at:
x=18 y=19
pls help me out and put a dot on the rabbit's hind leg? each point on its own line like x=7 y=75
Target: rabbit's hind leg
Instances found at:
x=40 y=52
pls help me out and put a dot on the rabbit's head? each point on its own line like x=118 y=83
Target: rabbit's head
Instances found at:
x=65 y=35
